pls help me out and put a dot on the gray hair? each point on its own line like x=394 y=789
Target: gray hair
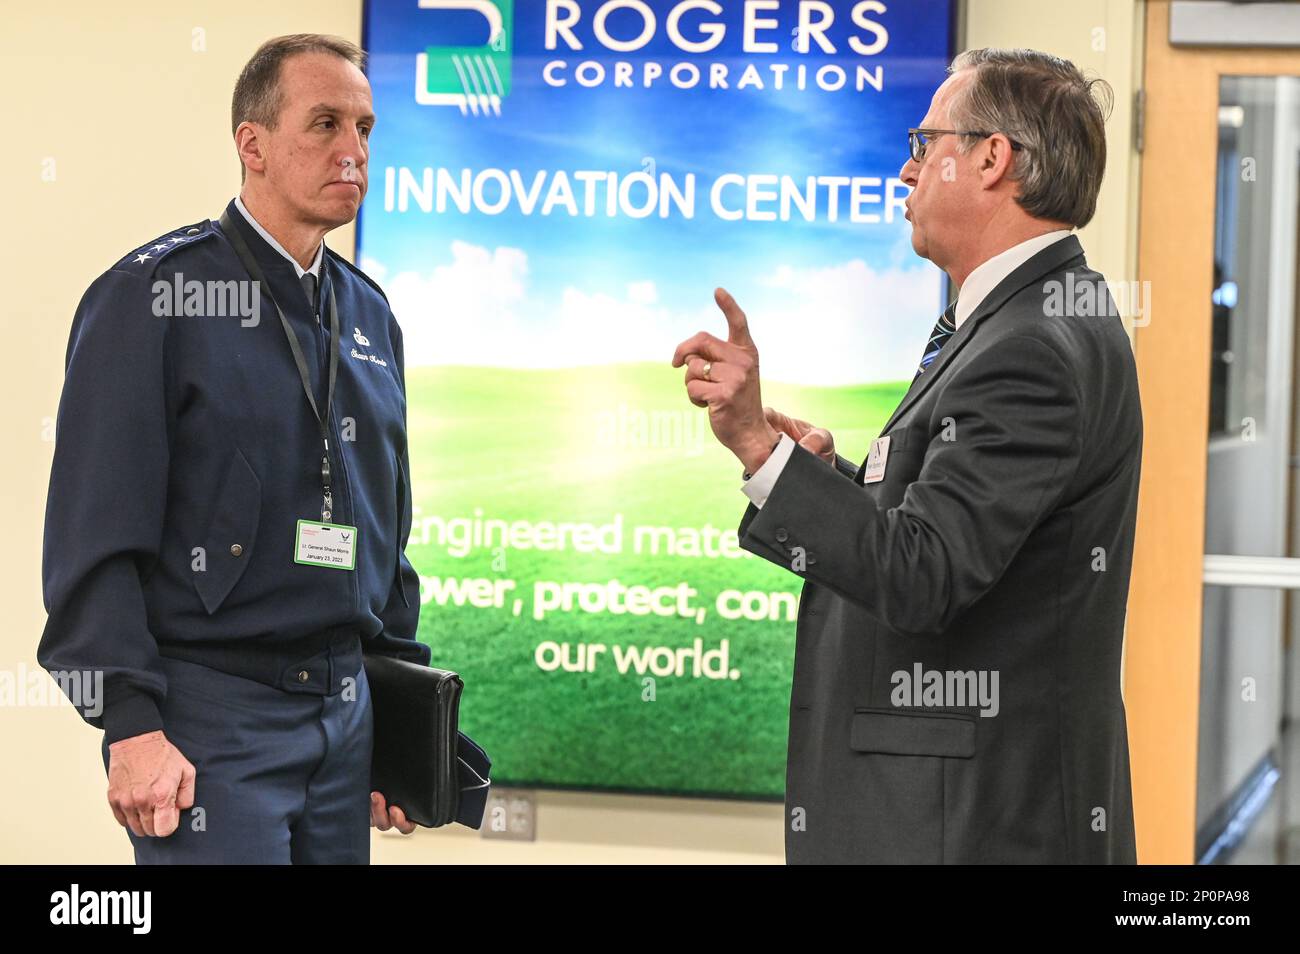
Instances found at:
x=258 y=96
x=1046 y=104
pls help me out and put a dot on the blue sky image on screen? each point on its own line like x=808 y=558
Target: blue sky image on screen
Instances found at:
x=830 y=302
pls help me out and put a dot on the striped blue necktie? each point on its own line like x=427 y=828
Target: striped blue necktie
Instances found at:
x=943 y=330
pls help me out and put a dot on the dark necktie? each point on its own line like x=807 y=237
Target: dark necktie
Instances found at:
x=943 y=330
x=309 y=286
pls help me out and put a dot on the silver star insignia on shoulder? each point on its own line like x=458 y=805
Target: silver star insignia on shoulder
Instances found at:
x=140 y=259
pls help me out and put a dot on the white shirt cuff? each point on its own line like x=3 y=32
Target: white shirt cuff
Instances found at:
x=759 y=486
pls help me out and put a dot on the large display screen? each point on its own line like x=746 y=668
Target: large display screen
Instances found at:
x=556 y=188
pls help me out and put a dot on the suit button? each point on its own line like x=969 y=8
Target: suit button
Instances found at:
x=812 y=558
x=304 y=676
x=236 y=550
x=781 y=535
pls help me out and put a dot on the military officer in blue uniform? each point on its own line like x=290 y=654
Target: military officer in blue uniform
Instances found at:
x=229 y=505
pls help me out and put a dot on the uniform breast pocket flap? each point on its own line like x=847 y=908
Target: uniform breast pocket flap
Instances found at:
x=895 y=732
x=232 y=529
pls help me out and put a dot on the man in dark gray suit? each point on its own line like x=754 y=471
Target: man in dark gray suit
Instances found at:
x=956 y=691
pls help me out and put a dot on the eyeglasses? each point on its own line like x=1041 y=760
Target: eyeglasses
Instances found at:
x=916 y=139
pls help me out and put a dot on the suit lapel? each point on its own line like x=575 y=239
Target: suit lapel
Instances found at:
x=1054 y=257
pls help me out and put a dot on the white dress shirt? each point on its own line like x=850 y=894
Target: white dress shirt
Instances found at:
x=982 y=280
x=270 y=240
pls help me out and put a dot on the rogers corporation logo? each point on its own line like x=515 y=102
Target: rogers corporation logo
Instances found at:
x=770 y=45
x=474 y=78
x=806 y=36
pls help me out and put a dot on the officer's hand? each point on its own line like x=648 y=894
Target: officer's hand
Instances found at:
x=816 y=439
x=149 y=782
x=383 y=816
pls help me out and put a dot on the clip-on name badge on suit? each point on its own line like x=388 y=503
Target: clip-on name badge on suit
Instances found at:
x=876 y=459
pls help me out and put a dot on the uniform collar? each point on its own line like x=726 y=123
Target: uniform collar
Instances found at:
x=986 y=277
x=270 y=240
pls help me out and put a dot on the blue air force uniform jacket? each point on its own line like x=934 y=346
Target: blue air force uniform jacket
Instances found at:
x=186 y=452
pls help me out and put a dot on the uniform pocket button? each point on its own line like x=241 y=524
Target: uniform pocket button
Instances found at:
x=236 y=550
x=304 y=676
x=781 y=535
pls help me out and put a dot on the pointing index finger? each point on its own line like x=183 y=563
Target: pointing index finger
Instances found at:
x=737 y=324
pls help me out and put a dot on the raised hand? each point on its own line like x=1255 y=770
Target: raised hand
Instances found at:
x=723 y=376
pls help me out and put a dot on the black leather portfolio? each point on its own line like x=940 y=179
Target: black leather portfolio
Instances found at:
x=421 y=761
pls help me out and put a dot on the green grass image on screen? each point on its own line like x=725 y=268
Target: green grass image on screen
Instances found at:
x=562 y=445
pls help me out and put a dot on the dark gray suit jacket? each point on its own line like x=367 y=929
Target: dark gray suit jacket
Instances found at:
x=998 y=542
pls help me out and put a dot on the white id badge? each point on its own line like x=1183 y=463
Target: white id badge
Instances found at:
x=876 y=459
x=326 y=544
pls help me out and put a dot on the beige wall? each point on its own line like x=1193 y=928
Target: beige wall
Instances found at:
x=136 y=122
x=1104 y=37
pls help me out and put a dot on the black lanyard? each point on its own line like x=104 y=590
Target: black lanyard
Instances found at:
x=255 y=272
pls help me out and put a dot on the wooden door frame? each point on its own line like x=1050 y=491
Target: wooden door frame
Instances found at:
x=1176 y=255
